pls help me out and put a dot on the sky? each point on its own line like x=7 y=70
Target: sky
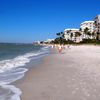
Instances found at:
x=25 y=21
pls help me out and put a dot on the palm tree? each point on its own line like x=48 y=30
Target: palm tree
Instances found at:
x=58 y=34
x=71 y=35
x=86 y=30
x=77 y=34
x=93 y=35
x=97 y=37
x=89 y=34
x=80 y=29
x=60 y=37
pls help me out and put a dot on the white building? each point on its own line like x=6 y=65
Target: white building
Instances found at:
x=49 y=40
x=69 y=34
x=90 y=25
x=97 y=24
x=87 y=24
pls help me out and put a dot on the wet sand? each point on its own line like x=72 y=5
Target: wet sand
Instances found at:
x=72 y=75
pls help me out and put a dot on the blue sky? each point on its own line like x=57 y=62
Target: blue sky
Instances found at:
x=31 y=20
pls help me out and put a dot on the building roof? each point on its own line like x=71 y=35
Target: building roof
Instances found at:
x=73 y=29
x=87 y=22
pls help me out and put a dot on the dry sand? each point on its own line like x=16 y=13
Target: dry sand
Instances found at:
x=72 y=75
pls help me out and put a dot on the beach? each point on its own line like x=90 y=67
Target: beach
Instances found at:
x=73 y=74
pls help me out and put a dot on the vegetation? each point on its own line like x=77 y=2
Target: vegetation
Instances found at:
x=60 y=38
x=90 y=38
x=90 y=41
x=97 y=37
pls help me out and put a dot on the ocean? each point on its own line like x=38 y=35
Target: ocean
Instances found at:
x=14 y=58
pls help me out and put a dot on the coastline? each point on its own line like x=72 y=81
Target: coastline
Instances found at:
x=69 y=76
x=28 y=75
x=13 y=69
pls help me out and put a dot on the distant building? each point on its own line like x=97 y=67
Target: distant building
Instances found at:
x=69 y=34
x=97 y=25
x=36 y=42
x=49 y=40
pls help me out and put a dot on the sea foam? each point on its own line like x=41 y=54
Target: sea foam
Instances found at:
x=13 y=69
x=16 y=92
x=19 y=60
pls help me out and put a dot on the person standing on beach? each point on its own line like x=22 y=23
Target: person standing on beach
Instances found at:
x=59 y=48
x=52 y=46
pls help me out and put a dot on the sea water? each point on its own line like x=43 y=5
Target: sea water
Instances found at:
x=13 y=59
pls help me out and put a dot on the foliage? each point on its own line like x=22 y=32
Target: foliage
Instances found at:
x=89 y=41
x=95 y=40
x=60 y=40
x=77 y=34
x=86 y=30
x=71 y=35
x=97 y=37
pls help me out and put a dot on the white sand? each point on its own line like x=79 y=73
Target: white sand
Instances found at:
x=74 y=75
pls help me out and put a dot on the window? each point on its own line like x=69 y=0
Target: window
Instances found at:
x=95 y=22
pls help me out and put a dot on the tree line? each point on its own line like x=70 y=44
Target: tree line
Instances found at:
x=90 y=37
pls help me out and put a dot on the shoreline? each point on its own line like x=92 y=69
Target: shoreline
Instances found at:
x=30 y=70
x=66 y=76
x=17 y=70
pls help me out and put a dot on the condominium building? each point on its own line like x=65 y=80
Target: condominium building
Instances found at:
x=90 y=25
x=97 y=24
x=87 y=24
x=69 y=34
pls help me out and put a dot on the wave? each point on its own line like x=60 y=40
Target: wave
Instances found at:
x=11 y=76
x=9 y=95
x=20 y=60
x=11 y=70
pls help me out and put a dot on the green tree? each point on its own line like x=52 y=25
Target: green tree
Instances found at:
x=80 y=29
x=77 y=34
x=71 y=35
x=97 y=37
x=89 y=34
x=60 y=38
x=86 y=31
x=60 y=34
x=93 y=35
